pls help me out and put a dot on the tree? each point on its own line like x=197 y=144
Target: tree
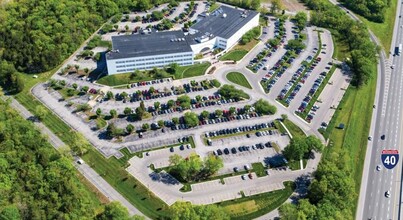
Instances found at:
x=141 y=111
x=204 y=114
x=157 y=15
x=9 y=77
x=107 y=28
x=175 y=120
x=129 y=128
x=124 y=95
x=295 y=44
x=10 y=212
x=170 y=103
x=255 y=4
x=263 y=107
x=112 y=131
x=232 y=110
x=187 y=211
x=127 y=111
x=173 y=67
x=198 y=98
x=127 y=28
x=41 y=112
x=218 y=113
x=80 y=145
x=161 y=123
x=75 y=86
x=184 y=101
x=145 y=126
x=98 y=112
x=191 y=119
x=109 y=95
x=301 y=19
x=83 y=107
x=301 y=146
x=284 y=117
x=113 y=113
x=157 y=105
x=230 y=92
x=114 y=210
x=212 y=164
x=276 y=5
x=143 y=5
x=85 y=89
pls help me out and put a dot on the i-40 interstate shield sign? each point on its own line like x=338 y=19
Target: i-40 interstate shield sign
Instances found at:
x=390 y=158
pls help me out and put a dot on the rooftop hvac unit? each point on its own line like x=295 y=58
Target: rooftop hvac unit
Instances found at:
x=183 y=39
x=224 y=15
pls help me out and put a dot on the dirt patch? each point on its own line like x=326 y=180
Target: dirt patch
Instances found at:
x=291 y=5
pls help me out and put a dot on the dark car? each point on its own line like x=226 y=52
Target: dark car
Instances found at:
x=383 y=137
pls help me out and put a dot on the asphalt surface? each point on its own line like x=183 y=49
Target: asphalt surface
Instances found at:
x=96 y=180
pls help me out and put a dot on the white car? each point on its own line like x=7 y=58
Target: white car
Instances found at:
x=378 y=168
x=387 y=194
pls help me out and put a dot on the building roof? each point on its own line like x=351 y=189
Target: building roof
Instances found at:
x=224 y=21
x=150 y=44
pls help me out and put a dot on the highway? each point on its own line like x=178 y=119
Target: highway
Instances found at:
x=386 y=120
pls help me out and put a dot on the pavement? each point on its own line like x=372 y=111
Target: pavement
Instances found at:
x=94 y=178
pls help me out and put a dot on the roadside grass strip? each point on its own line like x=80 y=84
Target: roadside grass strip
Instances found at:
x=235 y=55
x=257 y=205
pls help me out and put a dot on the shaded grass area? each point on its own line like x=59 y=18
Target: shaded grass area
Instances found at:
x=355 y=111
x=384 y=31
x=235 y=55
x=127 y=78
x=254 y=206
x=238 y=78
x=259 y=169
x=135 y=192
x=294 y=129
x=248 y=46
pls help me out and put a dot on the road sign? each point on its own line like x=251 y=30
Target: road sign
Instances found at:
x=390 y=158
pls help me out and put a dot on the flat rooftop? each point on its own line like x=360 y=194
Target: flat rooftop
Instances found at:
x=224 y=21
x=149 y=44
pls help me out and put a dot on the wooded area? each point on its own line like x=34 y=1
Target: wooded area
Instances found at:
x=373 y=10
x=352 y=33
x=37 y=182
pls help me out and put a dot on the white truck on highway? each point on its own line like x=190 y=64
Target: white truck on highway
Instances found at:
x=399 y=49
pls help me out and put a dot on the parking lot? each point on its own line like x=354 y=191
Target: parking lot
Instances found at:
x=238 y=135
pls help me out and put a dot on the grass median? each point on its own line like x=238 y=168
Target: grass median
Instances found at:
x=255 y=206
x=355 y=111
x=239 y=78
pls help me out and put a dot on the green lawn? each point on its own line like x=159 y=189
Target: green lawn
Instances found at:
x=257 y=205
x=238 y=78
x=355 y=112
x=259 y=169
x=121 y=79
x=384 y=31
x=235 y=55
x=182 y=72
x=294 y=129
x=191 y=71
x=213 y=7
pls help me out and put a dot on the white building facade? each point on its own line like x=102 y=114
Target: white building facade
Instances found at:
x=222 y=29
x=116 y=66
